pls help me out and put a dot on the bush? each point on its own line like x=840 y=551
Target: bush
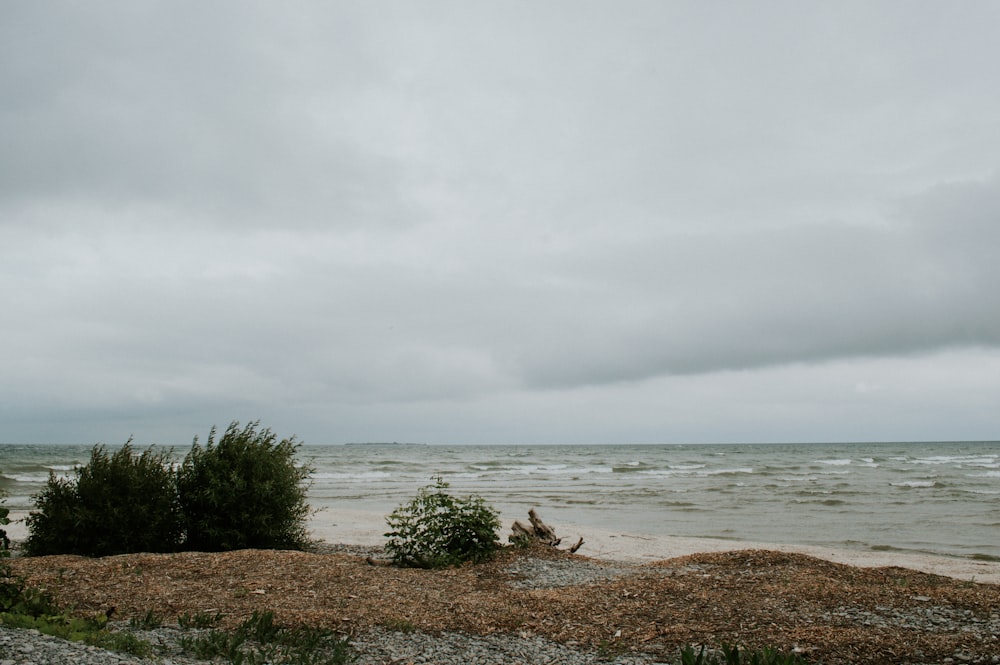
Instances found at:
x=117 y=503
x=243 y=492
x=436 y=529
x=4 y=521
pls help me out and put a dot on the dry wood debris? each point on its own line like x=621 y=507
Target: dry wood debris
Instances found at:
x=755 y=598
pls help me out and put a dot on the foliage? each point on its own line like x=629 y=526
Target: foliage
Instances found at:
x=149 y=621
x=198 y=620
x=4 y=521
x=259 y=640
x=243 y=492
x=733 y=655
x=27 y=607
x=436 y=529
x=16 y=597
x=117 y=503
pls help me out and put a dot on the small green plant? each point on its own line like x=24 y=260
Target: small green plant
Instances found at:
x=18 y=598
x=258 y=640
x=244 y=491
x=609 y=650
x=729 y=654
x=198 y=620
x=400 y=625
x=148 y=621
x=27 y=607
x=117 y=503
x=436 y=529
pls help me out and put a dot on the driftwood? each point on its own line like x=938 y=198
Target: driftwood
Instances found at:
x=537 y=531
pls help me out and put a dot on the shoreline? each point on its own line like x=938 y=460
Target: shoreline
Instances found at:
x=367 y=528
x=358 y=527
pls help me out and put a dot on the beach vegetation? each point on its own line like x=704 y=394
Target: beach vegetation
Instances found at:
x=148 y=621
x=436 y=529
x=198 y=620
x=117 y=503
x=730 y=654
x=260 y=640
x=4 y=521
x=243 y=491
x=28 y=607
x=400 y=625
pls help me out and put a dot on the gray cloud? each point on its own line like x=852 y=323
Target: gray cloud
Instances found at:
x=446 y=222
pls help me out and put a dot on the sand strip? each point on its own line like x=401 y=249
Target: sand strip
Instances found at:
x=359 y=527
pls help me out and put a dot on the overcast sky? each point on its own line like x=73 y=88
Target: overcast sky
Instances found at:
x=490 y=222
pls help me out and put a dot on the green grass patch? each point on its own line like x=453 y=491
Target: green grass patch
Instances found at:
x=729 y=654
x=258 y=640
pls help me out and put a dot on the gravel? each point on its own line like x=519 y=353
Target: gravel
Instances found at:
x=382 y=645
x=377 y=646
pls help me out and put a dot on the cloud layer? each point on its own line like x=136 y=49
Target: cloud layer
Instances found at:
x=521 y=222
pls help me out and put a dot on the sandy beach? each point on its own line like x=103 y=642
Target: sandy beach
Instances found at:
x=356 y=527
x=367 y=528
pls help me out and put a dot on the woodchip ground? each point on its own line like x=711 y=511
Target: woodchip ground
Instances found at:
x=829 y=612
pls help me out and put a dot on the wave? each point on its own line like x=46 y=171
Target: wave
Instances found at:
x=25 y=477
x=911 y=484
x=361 y=475
x=989 y=461
x=729 y=472
x=821 y=502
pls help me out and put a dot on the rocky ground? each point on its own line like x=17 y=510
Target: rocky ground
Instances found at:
x=534 y=606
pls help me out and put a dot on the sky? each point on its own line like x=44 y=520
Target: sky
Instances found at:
x=500 y=222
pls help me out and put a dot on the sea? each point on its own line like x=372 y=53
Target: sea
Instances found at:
x=940 y=498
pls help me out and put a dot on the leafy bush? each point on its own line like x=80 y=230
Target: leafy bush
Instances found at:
x=243 y=492
x=436 y=529
x=117 y=503
x=4 y=521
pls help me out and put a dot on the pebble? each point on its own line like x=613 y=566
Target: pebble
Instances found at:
x=380 y=645
x=374 y=647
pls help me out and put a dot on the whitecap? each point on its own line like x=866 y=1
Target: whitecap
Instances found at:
x=915 y=483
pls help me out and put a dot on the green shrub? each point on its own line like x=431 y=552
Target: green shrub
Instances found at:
x=117 y=503
x=243 y=492
x=436 y=529
x=4 y=521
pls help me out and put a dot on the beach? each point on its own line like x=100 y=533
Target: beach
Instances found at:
x=938 y=499
x=622 y=598
x=367 y=528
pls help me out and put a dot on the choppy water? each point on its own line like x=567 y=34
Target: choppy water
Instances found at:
x=939 y=498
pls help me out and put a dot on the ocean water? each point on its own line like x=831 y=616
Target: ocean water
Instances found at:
x=936 y=498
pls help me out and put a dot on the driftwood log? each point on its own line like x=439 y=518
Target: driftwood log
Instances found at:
x=537 y=531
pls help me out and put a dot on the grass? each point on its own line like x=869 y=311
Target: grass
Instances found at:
x=258 y=640
x=733 y=655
